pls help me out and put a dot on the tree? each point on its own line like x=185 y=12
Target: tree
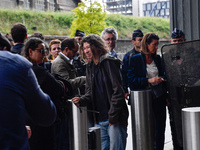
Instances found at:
x=90 y=19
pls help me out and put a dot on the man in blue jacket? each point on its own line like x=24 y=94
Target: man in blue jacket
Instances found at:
x=20 y=94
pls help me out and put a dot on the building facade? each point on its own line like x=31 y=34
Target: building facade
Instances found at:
x=40 y=5
x=156 y=9
x=139 y=8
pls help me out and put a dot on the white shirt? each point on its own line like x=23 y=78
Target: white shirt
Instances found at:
x=70 y=60
x=152 y=71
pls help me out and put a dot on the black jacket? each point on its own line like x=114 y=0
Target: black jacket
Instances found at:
x=110 y=70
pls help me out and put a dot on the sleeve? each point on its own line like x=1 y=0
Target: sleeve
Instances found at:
x=85 y=99
x=124 y=72
x=137 y=74
x=61 y=70
x=117 y=100
x=38 y=104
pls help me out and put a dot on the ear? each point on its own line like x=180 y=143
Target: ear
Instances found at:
x=133 y=41
x=30 y=51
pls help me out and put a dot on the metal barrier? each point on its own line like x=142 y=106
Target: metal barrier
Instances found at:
x=78 y=128
x=142 y=122
x=191 y=128
x=94 y=138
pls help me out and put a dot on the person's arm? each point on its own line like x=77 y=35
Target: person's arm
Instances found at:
x=64 y=73
x=38 y=104
x=137 y=74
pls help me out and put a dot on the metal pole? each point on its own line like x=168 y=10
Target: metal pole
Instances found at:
x=142 y=121
x=191 y=128
x=78 y=128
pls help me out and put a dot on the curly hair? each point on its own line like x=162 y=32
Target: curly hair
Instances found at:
x=94 y=41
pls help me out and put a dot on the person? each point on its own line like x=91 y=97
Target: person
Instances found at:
x=20 y=94
x=110 y=36
x=9 y=37
x=146 y=71
x=79 y=65
x=136 y=40
x=79 y=35
x=19 y=34
x=104 y=92
x=38 y=35
x=174 y=109
x=4 y=43
x=45 y=137
x=63 y=66
x=177 y=36
x=54 y=49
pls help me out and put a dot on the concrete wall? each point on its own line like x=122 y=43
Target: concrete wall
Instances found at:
x=122 y=46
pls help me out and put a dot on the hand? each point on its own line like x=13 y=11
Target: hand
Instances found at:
x=126 y=96
x=28 y=129
x=76 y=100
x=156 y=80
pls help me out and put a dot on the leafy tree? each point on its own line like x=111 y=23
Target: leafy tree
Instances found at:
x=90 y=19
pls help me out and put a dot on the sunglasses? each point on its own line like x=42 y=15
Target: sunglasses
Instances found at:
x=42 y=51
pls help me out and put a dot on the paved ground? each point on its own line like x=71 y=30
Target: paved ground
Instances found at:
x=168 y=139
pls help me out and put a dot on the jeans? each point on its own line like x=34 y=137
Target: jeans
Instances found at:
x=112 y=137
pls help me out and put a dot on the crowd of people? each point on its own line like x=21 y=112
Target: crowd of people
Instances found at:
x=38 y=79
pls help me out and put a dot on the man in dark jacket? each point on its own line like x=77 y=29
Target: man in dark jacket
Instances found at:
x=104 y=92
x=136 y=40
x=19 y=34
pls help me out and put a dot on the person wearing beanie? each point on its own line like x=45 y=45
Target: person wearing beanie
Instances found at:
x=177 y=36
x=136 y=40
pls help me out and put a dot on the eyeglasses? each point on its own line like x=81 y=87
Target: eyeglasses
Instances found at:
x=73 y=51
x=110 y=39
x=42 y=51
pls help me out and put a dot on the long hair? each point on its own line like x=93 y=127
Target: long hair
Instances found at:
x=94 y=41
x=147 y=39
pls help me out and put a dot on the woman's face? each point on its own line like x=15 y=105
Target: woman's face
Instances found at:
x=37 y=55
x=153 y=46
x=88 y=51
x=55 y=50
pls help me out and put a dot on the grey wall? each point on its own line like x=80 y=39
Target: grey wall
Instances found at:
x=122 y=46
x=185 y=15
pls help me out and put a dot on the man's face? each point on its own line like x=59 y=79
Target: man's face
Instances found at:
x=71 y=53
x=177 y=40
x=78 y=39
x=110 y=40
x=137 y=42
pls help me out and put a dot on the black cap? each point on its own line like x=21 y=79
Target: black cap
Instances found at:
x=137 y=33
x=79 y=33
x=177 y=34
x=4 y=42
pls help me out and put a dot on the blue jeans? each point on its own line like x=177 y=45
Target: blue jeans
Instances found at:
x=112 y=137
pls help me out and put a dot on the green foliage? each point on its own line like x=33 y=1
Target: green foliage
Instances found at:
x=125 y=25
x=59 y=23
x=90 y=19
x=50 y=23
